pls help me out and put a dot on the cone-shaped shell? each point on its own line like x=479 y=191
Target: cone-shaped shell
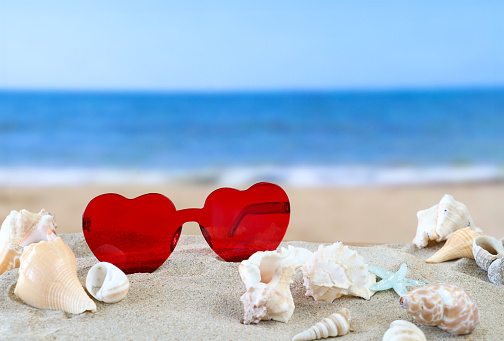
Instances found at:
x=20 y=229
x=335 y=325
x=403 y=331
x=496 y=272
x=107 y=283
x=446 y=306
x=459 y=245
x=48 y=278
x=438 y=222
x=487 y=249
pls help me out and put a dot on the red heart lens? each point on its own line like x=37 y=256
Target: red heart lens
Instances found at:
x=138 y=235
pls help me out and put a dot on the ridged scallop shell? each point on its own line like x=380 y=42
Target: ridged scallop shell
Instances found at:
x=335 y=325
x=401 y=330
x=334 y=271
x=267 y=276
x=443 y=305
x=107 y=283
x=438 y=222
x=48 y=278
x=496 y=272
x=459 y=245
x=20 y=229
x=487 y=249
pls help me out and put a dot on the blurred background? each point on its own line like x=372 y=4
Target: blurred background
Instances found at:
x=365 y=113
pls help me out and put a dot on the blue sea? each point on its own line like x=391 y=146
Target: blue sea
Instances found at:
x=292 y=138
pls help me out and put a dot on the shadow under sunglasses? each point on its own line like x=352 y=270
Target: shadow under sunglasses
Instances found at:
x=138 y=235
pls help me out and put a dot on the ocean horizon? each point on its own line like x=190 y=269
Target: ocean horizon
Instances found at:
x=298 y=138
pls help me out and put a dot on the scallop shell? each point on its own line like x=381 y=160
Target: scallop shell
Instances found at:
x=459 y=245
x=20 y=229
x=496 y=272
x=443 y=305
x=401 y=330
x=335 y=325
x=487 y=249
x=48 y=278
x=438 y=222
x=267 y=276
x=107 y=283
x=334 y=271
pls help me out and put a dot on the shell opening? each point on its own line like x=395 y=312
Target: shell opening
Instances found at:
x=268 y=268
x=100 y=274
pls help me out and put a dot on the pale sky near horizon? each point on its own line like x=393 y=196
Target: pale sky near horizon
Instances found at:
x=250 y=45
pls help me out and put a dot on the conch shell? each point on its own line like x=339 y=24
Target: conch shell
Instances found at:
x=48 y=278
x=335 y=325
x=334 y=271
x=443 y=305
x=20 y=229
x=401 y=330
x=107 y=283
x=267 y=276
x=459 y=245
x=487 y=249
x=438 y=222
x=496 y=271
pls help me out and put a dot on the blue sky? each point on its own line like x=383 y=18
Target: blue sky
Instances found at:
x=250 y=45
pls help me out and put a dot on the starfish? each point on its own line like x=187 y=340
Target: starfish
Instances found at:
x=397 y=281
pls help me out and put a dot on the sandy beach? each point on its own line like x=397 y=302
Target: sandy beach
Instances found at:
x=353 y=215
x=195 y=295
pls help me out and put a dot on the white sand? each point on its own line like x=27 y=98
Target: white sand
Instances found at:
x=196 y=296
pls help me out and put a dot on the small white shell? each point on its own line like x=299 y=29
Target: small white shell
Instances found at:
x=336 y=270
x=401 y=330
x=496 y=272
x=107 y=283
x=335 y=325
x=487 y=249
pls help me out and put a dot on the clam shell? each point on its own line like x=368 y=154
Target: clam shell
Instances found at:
x=487 y=249
x=446 y=306
x=438 y=222
x=107 y=283
x=335 y=325
x=401 y=330
x=267 y=276
x=20 y=229
x=48 y=278
x=459 y=245
x=496 y=272
x=336 y=270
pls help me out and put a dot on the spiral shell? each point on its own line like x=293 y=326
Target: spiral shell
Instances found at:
x=459 y=245
x=403 y=331
x=496 y=272
x=443 y=305
x=48 y=278
x=336 y=270
x=107 y=283
x=20 y=229
x=438 y=222
x=335 y=325
x=487 y=249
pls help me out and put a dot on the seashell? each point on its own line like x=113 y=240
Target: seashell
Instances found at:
x=438 y=222
x=267 y=276
x=443 y=305
x=334 y=271
x=496 y=272
x=486 y=249
x=401 y=330
x=48 y=278
x=459 y=245
x=107 y=283
x=335 y=325
x=20 y=229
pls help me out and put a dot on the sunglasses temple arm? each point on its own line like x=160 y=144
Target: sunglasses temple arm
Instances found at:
x=261 y=208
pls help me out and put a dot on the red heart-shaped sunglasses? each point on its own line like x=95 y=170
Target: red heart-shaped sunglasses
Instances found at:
x=138 y=235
